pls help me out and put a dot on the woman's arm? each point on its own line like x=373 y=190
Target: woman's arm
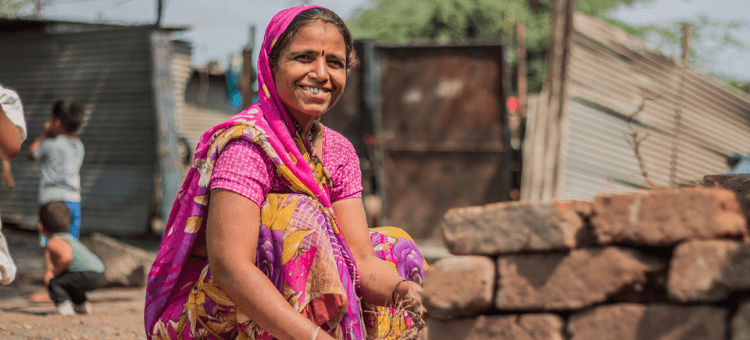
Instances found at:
x=10 y=137
x=377 y=278
x=231 y=239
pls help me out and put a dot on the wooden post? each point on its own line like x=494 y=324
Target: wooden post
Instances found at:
x=687 y=35
x=372 y=97
x=556 y=102
x=516 y=158
x=38 y=8
x=522 y=84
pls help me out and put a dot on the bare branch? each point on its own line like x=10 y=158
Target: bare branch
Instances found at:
x=635 y=142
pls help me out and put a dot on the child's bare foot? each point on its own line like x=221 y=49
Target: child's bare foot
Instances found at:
x=39 y=297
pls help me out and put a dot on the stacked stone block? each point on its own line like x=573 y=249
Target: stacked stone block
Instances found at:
x=658 y=264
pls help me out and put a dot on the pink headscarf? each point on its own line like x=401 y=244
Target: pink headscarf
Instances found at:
x=274 y=111
x=269 y=116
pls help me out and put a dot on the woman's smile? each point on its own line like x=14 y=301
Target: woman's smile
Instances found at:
x=315 y=91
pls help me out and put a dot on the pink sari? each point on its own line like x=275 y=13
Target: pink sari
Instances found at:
x=300 y=247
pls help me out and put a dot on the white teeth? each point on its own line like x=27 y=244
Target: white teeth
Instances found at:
x=314 y=90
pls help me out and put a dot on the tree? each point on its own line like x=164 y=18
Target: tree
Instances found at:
x=14 y=8
x=445 y=20
x=709 y=39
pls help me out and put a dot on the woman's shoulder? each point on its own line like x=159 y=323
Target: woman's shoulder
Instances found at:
x=335 y=139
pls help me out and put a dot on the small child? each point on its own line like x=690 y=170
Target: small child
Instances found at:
x=72 y=268
x=60 y=154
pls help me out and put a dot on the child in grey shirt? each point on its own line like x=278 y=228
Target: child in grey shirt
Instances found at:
x=60 y=154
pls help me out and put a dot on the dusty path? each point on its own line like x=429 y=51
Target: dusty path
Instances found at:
x=117 y=314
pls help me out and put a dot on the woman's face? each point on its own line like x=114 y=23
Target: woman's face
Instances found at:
x=311 y=71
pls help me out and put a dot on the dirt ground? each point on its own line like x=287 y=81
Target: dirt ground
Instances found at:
x=117 y=313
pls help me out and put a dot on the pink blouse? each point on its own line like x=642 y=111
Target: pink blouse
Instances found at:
x=244 y=168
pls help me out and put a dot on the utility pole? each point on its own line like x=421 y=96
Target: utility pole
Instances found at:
x=38 y=5
x=248 y=73
x=159 y=10
x=522 y=84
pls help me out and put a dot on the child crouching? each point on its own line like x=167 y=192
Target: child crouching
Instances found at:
x=72 y=269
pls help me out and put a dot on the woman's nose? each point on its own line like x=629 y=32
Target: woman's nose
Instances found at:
x=319 y=71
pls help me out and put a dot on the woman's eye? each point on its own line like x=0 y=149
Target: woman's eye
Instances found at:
x=304 y=57
x=336 y=63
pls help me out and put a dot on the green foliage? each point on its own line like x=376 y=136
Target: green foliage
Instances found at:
x=743 y=86
x=13 y=8
x=443 y=20
x=709 y=38
x=403 y=21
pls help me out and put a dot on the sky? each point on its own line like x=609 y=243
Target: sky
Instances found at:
x=218 y=28
x=221 y=28
x=733 y=62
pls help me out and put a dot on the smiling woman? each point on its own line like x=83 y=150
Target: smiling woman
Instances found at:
x=268 y=236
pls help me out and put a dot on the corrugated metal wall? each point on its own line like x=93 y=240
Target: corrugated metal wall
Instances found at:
x=206 y=104
x=182 y=70
x=610 y=74
x=108 y=71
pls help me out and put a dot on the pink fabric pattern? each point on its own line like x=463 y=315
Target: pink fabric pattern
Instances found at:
x=244 y=168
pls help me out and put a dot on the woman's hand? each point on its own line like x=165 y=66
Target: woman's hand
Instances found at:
x=408 y=295
x=7 y=177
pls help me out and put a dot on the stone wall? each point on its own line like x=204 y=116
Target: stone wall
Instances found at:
x=659 y=264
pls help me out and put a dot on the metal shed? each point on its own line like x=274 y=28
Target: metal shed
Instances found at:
x=121 y=75
x=693 y=120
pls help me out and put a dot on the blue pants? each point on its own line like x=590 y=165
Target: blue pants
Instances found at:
x=75 y=222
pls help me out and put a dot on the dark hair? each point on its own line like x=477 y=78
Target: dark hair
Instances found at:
x=306 y=18
x=70 y=115
x=55 y=217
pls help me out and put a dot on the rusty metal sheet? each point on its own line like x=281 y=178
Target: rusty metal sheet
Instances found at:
x=434 y=117
x=443 y=98
x=443 y=129
x=421 y=187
